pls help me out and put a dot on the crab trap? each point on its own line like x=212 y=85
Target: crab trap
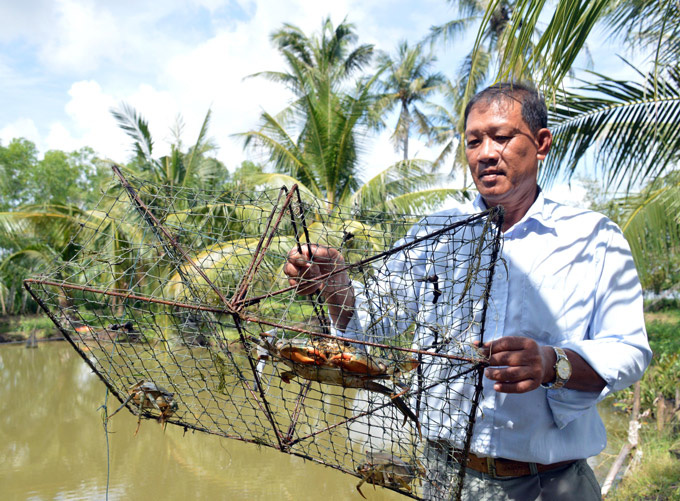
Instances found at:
x=178 y=301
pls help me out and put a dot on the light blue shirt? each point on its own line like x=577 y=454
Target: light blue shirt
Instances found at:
x=566 y=278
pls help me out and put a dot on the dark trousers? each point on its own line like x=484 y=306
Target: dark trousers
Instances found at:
x=572 y=482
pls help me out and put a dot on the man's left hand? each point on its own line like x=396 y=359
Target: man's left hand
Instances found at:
x=518 y=364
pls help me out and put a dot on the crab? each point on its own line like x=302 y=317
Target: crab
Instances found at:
x=334 y=362
x=388 y=470
x=148 y=395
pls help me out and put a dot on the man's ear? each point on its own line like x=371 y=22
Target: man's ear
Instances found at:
x=543 y=143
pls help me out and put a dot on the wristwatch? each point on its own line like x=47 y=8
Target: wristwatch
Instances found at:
x=562 y=370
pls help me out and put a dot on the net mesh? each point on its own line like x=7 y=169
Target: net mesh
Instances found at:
x=178 y=301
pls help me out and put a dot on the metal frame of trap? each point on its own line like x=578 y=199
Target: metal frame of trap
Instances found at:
x=239 y=301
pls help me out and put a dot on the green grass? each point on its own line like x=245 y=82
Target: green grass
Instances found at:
x=663 y=329
x=657 y=477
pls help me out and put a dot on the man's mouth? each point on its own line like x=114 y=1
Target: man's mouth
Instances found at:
x=490 y=175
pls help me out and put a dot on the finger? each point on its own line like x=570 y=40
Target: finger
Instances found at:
x=299 y=259
x=510 y=343
x=520 y=387
x=510 y=374
x=295 y=269
x=515 y=358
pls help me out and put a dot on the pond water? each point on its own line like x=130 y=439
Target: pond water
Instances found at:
x=53 y=446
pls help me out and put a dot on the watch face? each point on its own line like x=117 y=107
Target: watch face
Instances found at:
x=563 y=369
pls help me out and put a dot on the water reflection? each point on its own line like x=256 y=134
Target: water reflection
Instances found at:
x=53 y=446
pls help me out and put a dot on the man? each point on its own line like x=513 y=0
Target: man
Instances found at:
x=566 y=327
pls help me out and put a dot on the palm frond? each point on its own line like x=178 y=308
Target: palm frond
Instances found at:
x=633 y=129
x=652 y=228
x=405 y=176
x=424 y=201
x=448 y=32
x=137 y=128
x=200 y=148
x=652 y=25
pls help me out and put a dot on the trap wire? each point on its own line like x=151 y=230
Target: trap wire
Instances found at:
x=177 y=300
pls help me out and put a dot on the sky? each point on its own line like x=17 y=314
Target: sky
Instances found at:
x=64 y=64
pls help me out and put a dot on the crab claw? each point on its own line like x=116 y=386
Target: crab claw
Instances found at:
x=408 y=413
x=408 y=364
x=361 y=365
x=398 y=403
x=308 y=356
x=121 y=406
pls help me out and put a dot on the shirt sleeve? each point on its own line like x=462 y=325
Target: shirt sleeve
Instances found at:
x=615 y=344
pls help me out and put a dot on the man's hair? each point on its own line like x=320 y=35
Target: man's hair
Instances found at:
x=534 y=110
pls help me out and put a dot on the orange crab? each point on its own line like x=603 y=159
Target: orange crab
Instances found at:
x=331 y=361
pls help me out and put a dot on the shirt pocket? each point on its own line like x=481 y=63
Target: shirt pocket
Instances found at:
x=552 y=306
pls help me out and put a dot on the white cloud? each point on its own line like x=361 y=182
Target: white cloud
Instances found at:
x=23 y=127
x=59 y=138
x=89 y=123
x=126 y=51
x=85 y=33
x=212 y=74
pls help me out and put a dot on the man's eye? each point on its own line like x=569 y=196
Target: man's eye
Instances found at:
x=472 y=143
x=503 y=139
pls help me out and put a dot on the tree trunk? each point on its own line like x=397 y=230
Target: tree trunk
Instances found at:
x=405 y=113
x=24 y=297
x=633 y=427
x=660 y=412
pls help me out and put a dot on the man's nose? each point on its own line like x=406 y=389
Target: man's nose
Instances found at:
x=488 y=150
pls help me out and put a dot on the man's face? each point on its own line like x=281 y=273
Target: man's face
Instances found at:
x=503 y=153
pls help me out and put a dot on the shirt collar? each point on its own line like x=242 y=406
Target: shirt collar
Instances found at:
x=540 y=211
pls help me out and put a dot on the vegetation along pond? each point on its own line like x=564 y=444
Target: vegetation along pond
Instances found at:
x=53 y=446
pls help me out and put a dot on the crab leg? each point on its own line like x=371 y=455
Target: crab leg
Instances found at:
x=121 y=406
x=359 y=487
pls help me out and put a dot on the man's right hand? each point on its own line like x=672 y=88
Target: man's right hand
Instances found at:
x=304 y=269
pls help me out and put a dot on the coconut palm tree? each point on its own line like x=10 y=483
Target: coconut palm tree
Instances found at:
x=631 y=128
x=322 y=156
x=318 y=142
x=474 y=72
x=407 y=81
x=447 y=124
x=330 y=56
x=190 y=168
x=646 y=24
x=492 y=37
x=316 y=138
